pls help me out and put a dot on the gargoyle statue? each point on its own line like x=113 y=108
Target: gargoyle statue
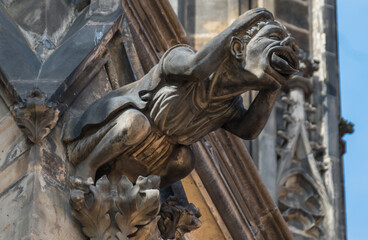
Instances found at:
x=146 y=127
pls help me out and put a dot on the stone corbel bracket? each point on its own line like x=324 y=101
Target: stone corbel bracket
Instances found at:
x=35 y=115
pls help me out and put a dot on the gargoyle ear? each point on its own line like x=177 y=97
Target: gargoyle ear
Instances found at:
x=237 y=48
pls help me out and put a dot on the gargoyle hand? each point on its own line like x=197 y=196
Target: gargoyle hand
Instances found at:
x=249 y=18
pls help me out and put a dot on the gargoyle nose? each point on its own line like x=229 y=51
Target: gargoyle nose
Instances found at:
x=291 y=42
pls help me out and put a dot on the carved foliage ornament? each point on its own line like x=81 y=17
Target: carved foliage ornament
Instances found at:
x=129 y=212
x=138 y=205
x=91 y=210
x=36 y=116
x=177 y=219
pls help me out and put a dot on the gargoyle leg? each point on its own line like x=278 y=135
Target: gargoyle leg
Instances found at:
x=130 y=128
x=179 y=165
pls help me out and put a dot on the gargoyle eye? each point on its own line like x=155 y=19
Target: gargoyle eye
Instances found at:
x=274 y=37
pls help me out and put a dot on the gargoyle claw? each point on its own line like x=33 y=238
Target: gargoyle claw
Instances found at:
x=80 y=183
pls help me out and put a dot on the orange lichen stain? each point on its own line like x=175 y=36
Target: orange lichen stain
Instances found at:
x=61 y=175
x=6 y=227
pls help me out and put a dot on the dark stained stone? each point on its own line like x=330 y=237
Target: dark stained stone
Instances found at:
x=293 y=12
x=79 y=22
x=30 y=14
x=58 y=12
x=330 y=29
x=332 y=76
x=302 y=38
x=17 y=60
x=23 y=87
x=331 y=2
x=71 y=53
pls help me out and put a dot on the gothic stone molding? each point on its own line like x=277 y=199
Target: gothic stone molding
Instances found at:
x=301 y=194
x=234 y=184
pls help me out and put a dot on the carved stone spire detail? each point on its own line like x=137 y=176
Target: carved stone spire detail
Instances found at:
x=302 y=197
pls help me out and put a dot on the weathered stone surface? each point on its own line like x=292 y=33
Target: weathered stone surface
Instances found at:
x=13 y=151
x=17 y=224
x=48 y=51
x=92 y=212
x=73 y=50
x=32 y=192
x=96 y=88
x=16 y=53
x=302 y=196
x=330 y=28
x=13 y=142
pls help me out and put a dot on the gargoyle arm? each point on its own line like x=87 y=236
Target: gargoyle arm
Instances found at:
x=197 y=66
x=251 y=122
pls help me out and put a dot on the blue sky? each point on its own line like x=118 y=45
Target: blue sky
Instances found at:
x=353 y=55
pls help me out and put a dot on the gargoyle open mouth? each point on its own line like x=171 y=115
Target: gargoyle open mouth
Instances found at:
x=284 y=62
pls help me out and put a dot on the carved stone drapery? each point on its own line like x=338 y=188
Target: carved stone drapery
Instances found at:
x=36 y=116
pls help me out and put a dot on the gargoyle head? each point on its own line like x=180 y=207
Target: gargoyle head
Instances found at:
x=268 y=51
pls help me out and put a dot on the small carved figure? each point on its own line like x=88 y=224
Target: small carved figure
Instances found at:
x=146 y=127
